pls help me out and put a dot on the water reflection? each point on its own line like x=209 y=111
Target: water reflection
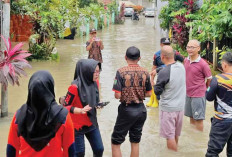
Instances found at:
x=116 y=40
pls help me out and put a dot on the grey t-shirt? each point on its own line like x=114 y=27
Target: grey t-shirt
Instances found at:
x=171 y=85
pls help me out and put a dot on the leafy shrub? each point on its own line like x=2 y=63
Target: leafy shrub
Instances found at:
x=12 y=63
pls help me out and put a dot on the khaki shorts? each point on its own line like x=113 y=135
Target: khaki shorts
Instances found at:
x=195 y=107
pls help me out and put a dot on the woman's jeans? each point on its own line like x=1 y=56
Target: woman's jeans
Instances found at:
x=94 y=138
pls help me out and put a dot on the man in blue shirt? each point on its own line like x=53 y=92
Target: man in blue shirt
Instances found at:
x=158 y=64
x=157 y=60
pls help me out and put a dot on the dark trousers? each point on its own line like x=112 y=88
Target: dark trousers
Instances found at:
x=220 y=134
x=95 y=140
x=130 y=118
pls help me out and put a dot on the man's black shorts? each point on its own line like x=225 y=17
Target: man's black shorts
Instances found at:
x=130 y=118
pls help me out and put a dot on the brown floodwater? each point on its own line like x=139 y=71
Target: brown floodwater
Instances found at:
x=116 y=39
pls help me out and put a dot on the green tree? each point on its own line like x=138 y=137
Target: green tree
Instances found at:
x=165 y=15
x=86 y=3
x=173 y=16
x=49 y=17
x=212 y=20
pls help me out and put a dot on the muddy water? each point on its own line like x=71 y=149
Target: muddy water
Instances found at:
x=116 y=40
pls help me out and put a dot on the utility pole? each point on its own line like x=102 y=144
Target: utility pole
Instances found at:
x=5 y=21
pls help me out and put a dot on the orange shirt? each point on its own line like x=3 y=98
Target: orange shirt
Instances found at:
x=62 y=145
x=72 y=99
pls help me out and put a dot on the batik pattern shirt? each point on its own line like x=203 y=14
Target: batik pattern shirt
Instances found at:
x=95 y=51
x=132 y=82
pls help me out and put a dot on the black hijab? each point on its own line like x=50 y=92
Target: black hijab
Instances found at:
x=87 y=88
x=40 y=118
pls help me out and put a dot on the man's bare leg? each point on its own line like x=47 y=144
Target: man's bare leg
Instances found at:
x=171 y=144
x=199 y=125
x=192 y=121
x=176 y=139
x=116 y=151
x=134 y=150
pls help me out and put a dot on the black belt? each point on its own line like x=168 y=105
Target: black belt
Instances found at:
x=131 y=104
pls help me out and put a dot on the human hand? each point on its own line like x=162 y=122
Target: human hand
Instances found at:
x=85 y=109
x=62 y=100
x=153 y=67
x=153 y=73
x=92 y=39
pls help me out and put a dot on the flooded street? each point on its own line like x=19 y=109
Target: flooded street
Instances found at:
x=116 y=39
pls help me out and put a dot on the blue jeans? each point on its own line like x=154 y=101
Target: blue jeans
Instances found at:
x=94 y=138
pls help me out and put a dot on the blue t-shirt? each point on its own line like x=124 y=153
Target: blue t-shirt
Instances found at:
x=157 y=60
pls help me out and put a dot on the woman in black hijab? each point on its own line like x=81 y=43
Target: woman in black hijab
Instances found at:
x=81 y=100
x=41 y=126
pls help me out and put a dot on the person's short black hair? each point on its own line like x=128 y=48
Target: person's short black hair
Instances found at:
x=227 y=57
x=93 y=30
x=133 y=53
x=165 y=41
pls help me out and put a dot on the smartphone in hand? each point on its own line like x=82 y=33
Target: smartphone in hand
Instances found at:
x=102 y=104
x=97 y=39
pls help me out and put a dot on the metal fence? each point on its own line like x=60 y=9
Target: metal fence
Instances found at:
x=208 y=46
